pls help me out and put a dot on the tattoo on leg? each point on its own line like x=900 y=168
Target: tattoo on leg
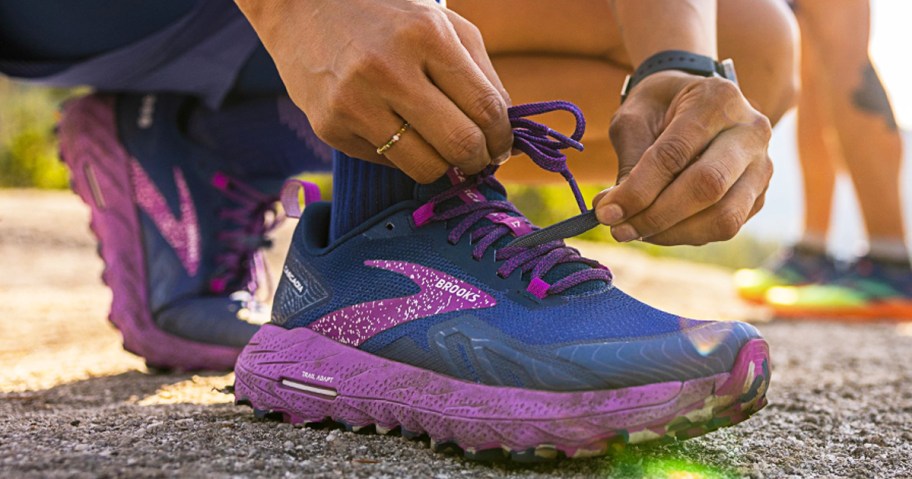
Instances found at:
x=871 y=96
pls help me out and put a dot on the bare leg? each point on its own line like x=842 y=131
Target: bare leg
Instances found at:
x=577 y=55
x=819 y=151
x=862 y=116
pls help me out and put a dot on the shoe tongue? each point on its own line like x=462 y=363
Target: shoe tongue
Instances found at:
x=453 y=177
x=519 y=224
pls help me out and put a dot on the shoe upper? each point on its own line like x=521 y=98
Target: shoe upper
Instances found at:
x=202 y=229
x=794 y=266
x=434 y=282
x=880 y=279
x=868 y=280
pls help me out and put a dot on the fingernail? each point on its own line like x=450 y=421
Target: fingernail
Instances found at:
x=502 y=158
x=624 y=233
x=598 y=196
x=610 y=214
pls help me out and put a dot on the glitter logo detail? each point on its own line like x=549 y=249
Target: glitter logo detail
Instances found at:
x=440 y=293
x=182 y=234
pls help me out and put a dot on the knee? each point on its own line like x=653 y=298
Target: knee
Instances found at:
x=778 y=54
x=786 y=86
x=762 y=37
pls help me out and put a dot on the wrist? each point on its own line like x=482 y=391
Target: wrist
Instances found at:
x=678 y=61
x=256 y=11
x=269 y=17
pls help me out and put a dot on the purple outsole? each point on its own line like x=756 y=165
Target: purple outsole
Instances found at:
x=100 y=172
x=309 y=378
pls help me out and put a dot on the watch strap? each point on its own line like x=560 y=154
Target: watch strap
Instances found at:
x=678 y=60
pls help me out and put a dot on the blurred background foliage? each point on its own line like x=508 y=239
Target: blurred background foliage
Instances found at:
x=29 y=159
x=28 y=149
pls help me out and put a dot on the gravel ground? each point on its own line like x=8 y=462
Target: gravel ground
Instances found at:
x=75 y=405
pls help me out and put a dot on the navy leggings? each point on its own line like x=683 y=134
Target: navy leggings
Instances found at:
x=66 y=32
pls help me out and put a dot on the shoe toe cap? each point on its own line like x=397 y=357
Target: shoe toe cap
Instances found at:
x=702 y=350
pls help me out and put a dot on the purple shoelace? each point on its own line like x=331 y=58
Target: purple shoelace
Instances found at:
x=543 y=145
x=255 y=215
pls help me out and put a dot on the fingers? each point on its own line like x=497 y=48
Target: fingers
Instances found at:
x=631 y=133
x=704 y=183
x=723 y=220
x=471 y=38
x=456 y=138
x=455 y=72
x=412 y=153
x=685 y=137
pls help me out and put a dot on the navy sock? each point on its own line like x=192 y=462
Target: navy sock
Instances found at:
x=361 y=190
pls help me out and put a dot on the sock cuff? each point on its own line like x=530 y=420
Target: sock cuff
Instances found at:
x=361 y=190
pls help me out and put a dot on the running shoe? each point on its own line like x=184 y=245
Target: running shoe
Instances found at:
x=796 y=266
x=426 y=319
x=871 y=289
x=180 y=238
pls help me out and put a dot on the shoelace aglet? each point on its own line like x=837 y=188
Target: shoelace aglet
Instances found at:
x=568 y=228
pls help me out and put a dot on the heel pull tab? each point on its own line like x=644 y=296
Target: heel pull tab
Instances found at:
x=291 y=196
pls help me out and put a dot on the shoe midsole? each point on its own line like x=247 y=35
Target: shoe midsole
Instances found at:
x=311 y=377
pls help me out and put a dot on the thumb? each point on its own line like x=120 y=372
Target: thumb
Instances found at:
x=631 y=136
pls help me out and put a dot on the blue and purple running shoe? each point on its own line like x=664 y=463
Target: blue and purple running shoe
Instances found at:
x=427 y=320
x=180 y=237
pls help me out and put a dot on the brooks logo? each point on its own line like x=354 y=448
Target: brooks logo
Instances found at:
x=455 y=288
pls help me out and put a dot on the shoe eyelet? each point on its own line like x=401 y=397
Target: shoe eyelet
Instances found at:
x=390 y=226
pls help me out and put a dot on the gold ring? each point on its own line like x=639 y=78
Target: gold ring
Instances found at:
x=395 y=138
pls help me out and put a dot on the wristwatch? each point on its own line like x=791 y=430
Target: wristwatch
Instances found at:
x=683 y=61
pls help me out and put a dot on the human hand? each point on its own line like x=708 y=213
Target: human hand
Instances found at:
x=360 y=68
x=692 y=162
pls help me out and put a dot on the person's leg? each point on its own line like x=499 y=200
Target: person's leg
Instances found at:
x=819 y=152
x=862 y=116
x=806 y=262
x=181 y=192
x=63 y=30
x=577 y=55
x=878 y=286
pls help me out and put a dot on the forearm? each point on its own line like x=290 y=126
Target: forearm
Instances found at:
x=650 y=26
x=270 y=18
